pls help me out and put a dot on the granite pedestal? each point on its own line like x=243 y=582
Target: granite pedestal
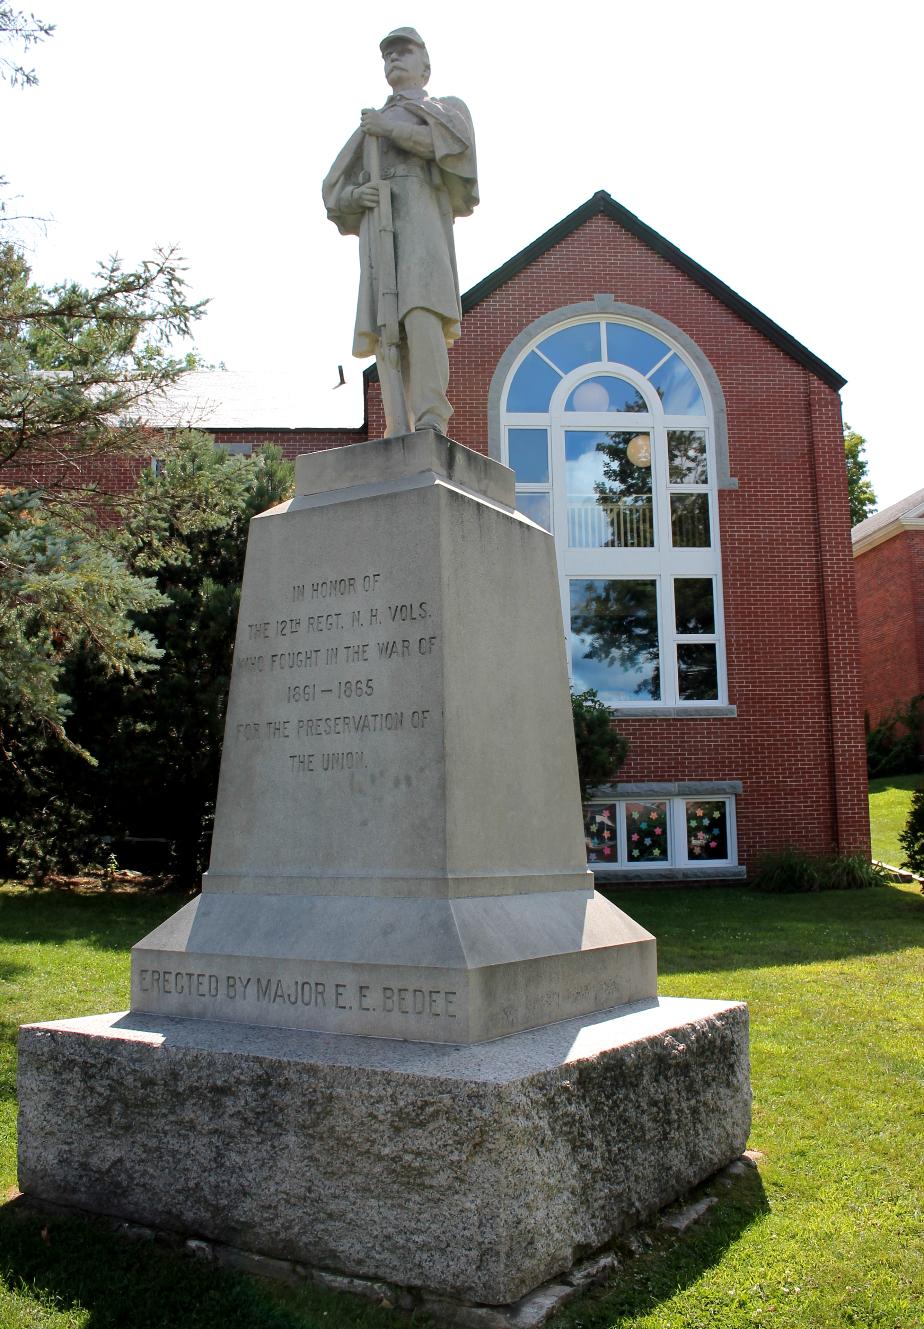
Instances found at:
x=477 y=1172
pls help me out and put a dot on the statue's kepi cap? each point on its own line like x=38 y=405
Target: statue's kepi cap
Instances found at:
x=402 y=34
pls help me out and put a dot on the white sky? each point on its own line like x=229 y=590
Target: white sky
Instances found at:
x=779 y=146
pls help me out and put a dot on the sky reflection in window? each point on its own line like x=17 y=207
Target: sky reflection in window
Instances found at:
x=633 y=347
x=533 y=385
x=528 y=451
x=606 y=392
x=537 y=507
x=614 y=642
x=677 y=389
x=574 y=346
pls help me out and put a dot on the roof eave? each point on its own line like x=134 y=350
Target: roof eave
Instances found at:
x=603 y=204
x=879 y=537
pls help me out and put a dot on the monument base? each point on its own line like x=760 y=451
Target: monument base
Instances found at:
x=475 y=1172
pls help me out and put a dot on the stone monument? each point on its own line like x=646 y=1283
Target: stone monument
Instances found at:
x=398 y=1035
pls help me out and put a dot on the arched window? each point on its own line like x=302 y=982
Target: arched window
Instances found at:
x=609 y=426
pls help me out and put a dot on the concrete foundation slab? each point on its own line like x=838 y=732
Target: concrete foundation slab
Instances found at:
x=476 y=1172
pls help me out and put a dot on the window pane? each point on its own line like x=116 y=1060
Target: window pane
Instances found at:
x=537 y=507
x=529 y=455
x=686 y=451
x=690 y=521
x=632 y=347
x=707 y=830
x=600 y=832
x=608 y=479
x=677 y=389
x=614 y=643
x=697 y=673
x=572 y=347
x=532 y=386
x=606 y=393
x=693 y=605
x=646 y=832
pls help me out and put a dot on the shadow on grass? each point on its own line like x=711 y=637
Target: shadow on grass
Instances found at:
x=112 y=922
x=728 y=929
x=697 y=930
x=76 y=1263
x=80 y=1264
x=8 y=974
x=667 y=1264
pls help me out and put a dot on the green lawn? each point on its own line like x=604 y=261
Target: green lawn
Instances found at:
x=830 y=1234
x=889 y=801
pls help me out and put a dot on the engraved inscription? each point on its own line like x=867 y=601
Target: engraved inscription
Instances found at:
x=350 y=609
x=272 y=990
x=410 y=613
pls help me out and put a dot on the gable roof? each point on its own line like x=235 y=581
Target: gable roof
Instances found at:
x=881 y=526
x=601 y=204
x=257 y=399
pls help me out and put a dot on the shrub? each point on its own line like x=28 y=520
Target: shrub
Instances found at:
x=851 y=872
x=786 y=871
x=791 y=871
x=600 y=750
x=893 y=746
x=912 y=837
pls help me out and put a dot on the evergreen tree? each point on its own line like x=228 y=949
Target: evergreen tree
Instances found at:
x=911 y=838
x=162 y=746
x=80 y=369
x=600 y=749
x=155 y=738
x=24 y=30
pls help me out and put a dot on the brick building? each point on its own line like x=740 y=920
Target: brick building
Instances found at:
x=888 y=552
x=687 y=454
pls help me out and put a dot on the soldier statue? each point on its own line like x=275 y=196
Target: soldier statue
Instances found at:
x=399 y=183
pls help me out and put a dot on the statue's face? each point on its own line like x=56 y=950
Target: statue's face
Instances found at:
x=405 y=65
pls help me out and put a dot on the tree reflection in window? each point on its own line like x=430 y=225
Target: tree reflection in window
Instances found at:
x=694 y=605
x=607 y=428
x=686 y=450
x=614 y=644
x=697 y=672
x=624 y=492
x=609 y=489
x=690 y=521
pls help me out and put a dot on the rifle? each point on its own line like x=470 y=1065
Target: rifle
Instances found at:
x=388 y=357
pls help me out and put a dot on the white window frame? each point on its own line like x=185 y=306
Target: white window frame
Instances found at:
x=663 y=563
x=679 y=859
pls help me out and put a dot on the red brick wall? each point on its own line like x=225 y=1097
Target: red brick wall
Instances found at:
x=797 y=741
x=107 y=475
x=292 y=442
x=118 y=475
x=890 y=610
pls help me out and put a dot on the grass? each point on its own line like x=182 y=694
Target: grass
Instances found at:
x=889 y=801
x=829 y=1234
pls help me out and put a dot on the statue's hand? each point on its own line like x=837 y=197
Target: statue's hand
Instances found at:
x=373 y=122
x=367 y=196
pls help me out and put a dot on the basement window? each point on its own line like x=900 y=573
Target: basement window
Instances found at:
x=650 y=833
